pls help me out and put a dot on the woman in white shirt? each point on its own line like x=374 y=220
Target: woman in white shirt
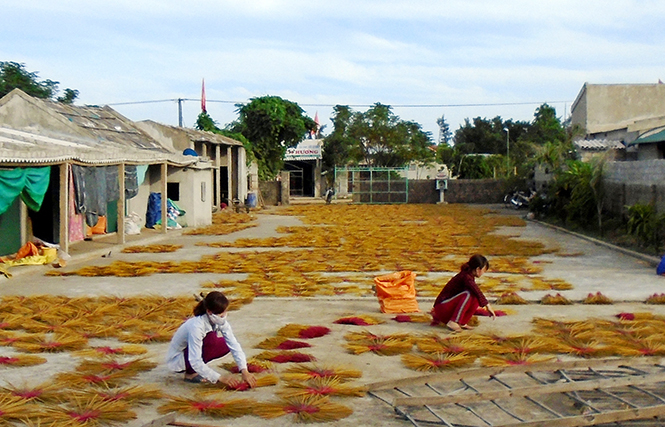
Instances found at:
x=205 y=337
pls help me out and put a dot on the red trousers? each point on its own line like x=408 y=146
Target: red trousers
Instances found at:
x=213 y=347
x=459 y=309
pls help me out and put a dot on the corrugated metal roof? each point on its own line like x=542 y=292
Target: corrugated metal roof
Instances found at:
x=650 y=137
x=213 y=138
x=25 y=147
x=105 y=123
x=599 y=144
x=35 y=130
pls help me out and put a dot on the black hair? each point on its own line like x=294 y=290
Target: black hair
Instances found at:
x=215 y=301
x=476 y=261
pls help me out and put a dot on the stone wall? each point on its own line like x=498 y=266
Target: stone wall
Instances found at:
x=423 y=191
x=475 y=191
x=459 y=191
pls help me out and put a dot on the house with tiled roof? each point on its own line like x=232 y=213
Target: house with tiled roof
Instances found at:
x=62 y=167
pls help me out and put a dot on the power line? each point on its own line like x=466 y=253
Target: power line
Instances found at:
x=495 y=104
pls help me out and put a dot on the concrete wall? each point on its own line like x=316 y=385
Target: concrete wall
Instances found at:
x=195 y=195
x=475 y=191
x=628 y=183
x=604 y=107
x=423 y=191
x=459 y=191
x=275 y=193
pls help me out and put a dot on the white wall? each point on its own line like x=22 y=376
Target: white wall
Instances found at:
x=195 y=195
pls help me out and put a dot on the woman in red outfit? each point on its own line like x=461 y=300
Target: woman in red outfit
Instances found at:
x=460 y=298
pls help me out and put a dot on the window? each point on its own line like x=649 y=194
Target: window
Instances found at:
x=173 y=190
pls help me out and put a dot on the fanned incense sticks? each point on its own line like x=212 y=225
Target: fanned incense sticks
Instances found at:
x=359 y=320
x=515 y=359
x=132 y=395
x=39 y=343
x=106 y=351
x=330 y=386
x=111 y=365
x=21 y=360
x=285 y=357
x=383 y=346
x=281 y=343
x=309 y=371
x=303 y=331
x=254 y=365
x=221 y=404
x=88 y=411
x=43 y=393
x=437 y=361
x=413 y=318
x=309 y=408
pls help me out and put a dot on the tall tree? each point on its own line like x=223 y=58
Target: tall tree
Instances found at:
x=271 y=125
x=546 y=127
x=378 y=137
x=337 y=145
x=445 y=135
x=14 y=75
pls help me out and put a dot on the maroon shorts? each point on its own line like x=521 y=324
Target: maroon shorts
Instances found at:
x=459 y=309
x=213 y=347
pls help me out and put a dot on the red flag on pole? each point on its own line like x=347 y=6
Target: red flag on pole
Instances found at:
x=315 y=131
x=203 y=96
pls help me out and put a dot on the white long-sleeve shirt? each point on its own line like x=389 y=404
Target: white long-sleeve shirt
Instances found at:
x=190 y=334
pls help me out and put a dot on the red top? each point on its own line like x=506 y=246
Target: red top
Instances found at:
x=463 y=281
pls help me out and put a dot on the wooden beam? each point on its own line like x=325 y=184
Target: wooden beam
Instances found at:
x=183 y=424
x=121 y=205
x=531 y=391
x=64 y=207
x=517 y=369
x=164 y=178
x=161 y=421
x=217 y=197
x=594 y=419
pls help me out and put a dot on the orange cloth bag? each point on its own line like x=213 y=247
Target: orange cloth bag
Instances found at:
x=397 y=292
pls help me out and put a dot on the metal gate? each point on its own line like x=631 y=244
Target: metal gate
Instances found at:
x=372 y=184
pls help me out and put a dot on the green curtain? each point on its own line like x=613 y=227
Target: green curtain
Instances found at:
x=29 y=183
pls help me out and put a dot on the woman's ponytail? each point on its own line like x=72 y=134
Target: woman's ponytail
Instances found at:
x=215 y=301
x=476 y=261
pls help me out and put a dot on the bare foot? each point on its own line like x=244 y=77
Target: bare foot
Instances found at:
x=454 y=326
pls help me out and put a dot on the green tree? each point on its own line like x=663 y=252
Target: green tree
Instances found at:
x=445 y=135
x=546 y=127
x=378 y=137
x=337 y=145
x=205 y=122
x=14 y=76
x=271 y=125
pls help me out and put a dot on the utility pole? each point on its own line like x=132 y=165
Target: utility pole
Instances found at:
x=180 y=111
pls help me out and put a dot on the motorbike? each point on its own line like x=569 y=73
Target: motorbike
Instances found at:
x=329 y=195
x=519 y=199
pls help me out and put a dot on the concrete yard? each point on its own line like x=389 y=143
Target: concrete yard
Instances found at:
x=625 y=279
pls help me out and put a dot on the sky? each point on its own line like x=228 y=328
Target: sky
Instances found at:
x=426 y=58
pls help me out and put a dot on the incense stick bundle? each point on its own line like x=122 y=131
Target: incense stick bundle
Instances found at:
x=330 y=386
x=437 y=361
x=219 y=405
x=305 y=409
x=309 y=371
x=87 y=411
x=281 y=343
